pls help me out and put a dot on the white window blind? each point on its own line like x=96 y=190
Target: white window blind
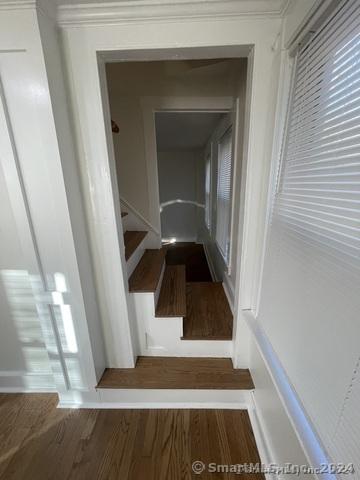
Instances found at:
x=208 y=191
x=223 y=207
x=320 y=181
x=310 y=299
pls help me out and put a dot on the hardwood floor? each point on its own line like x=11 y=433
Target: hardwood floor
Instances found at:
x=40 y=442
x=179 y=372
x=146 y=275
x=208 y=315
x=131 y=241
x=191 y=255
x=172 y=298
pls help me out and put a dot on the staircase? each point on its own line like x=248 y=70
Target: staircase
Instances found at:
x=162 y=305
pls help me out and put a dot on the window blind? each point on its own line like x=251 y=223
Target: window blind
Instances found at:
x=310 y=299
x=208 y=191
x=223 y=207
x=320 y=182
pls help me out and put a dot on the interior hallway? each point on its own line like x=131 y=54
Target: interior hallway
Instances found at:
x=39 y=441
x=208 y=314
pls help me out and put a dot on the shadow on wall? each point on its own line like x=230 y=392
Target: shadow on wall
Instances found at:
x=35 y=326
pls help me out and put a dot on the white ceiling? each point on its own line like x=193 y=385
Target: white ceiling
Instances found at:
x=184 y=131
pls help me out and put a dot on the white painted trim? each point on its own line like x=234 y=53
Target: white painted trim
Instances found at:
x=310 y=21
x=149 y=106
x=303 y=427
x=107 y=237
x=210 y=263
x=152 y=10
x=151 y=42
x=229 y=292
x=135 y=257
x=262 y=441
x=137 y=214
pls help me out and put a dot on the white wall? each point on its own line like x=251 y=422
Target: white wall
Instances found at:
x=280 y=439
x=22 y=346
x=37 y=160
x=178 y=180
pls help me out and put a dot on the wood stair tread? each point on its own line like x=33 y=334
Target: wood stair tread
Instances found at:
x=132 y=240
x=208 y=314
x=179 y=373
x=146 y=275
x=172 y=299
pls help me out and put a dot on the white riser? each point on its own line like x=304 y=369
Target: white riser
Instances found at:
x=162 y=336
x=192 y=348
x=181 y=398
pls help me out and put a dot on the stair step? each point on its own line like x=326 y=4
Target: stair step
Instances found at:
x=132 y=240
x=146 y=275
x=123 y=214
x=208 y=314
x=172 y=299
x=180 y=373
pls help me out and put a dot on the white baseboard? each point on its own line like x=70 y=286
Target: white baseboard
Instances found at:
x=229 y=292
x=25 y=382
x=210 y=263
x=262 y=442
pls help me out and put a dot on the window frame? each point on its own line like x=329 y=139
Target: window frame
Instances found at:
x=226 y=130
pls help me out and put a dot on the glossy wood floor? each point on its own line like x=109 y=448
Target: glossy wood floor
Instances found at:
x=172 y=298
x=208 y=315
x=38 y=442
x=191 y=255
x=179 y=372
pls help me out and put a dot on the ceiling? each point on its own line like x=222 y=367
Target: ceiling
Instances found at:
x=184 y=131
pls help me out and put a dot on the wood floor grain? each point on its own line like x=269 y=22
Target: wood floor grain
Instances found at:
x=146 y=275
x=208 y=314
x=191 y=255
x=132 y=240
x=179 y=372
x=40 y=442
x=172 y=298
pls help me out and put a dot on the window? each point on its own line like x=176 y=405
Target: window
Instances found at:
x=208 y=191
x=319 y=185
x=310 y=296
x=223 y=196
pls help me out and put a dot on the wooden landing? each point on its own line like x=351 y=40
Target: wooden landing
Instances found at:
x=172 y=299
x=146 y=275
x=39 y=441
x=208 y=315
x=132 y=240
x=178 y=373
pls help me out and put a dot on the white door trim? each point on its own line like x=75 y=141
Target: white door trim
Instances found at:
x=85 y=46
x=151 y=105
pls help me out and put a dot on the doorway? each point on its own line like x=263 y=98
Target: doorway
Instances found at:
x=168 y=147
x=182 y=139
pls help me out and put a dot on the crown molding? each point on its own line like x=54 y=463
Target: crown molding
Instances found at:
x=125 y=11
x=46 y=7
x=17 y=4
